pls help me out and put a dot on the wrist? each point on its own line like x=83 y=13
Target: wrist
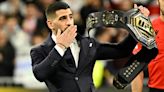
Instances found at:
x=62 y=46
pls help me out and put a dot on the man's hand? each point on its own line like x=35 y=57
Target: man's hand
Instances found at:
x=66 y=38
x=143 y=10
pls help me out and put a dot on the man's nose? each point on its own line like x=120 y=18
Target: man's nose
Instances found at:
x=68 y=22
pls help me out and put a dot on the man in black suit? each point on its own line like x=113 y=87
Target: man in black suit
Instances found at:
x=65 y=60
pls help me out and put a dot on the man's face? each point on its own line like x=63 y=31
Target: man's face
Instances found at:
x=63 y=19
x=161 y=4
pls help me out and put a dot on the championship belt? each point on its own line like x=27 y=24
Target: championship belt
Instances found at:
x=139 y=26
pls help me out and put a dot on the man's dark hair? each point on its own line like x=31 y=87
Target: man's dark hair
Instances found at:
x=52 y=8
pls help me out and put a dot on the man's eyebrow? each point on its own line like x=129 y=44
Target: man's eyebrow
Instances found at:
x=65 y=16
x=61 y=17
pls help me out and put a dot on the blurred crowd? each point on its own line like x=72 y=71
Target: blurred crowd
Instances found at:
x=23 y=25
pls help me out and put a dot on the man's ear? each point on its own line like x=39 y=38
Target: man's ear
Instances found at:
x=49 y=24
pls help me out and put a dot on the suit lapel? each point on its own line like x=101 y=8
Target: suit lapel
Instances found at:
x=83 y=57
x=48 y=44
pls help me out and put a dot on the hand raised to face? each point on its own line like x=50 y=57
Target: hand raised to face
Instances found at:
x=64 y=39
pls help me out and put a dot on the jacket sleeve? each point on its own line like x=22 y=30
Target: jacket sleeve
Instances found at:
x=42 y=66
x=109 y=51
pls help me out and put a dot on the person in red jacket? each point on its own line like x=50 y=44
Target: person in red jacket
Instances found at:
x=156 y=66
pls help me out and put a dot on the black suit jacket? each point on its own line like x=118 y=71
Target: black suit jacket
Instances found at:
x=53 y=69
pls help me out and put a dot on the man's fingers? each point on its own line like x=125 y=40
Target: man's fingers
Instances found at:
x=70 y=29
x=135 y=6
x=67 y=30
x=70 y=32
x=75 y=35
x=142 y=9
x=58 y=32
x=73 y=30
